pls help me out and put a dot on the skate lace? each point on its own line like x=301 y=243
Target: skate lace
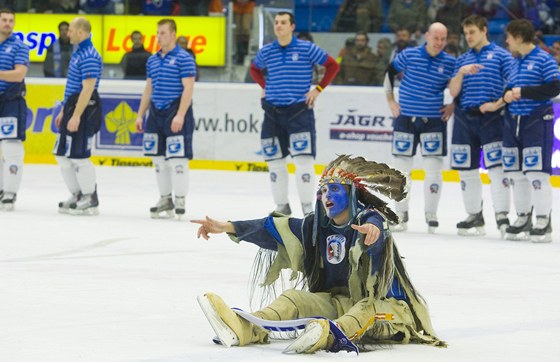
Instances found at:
x=521 y=220
x=163 y=201
x=542 y=222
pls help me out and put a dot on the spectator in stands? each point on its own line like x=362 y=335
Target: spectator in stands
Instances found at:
x=15 y=5
x=58 y=54
x=318 y=70
x=555 y=50
x=184 y=43
x=194 y=7
x=133 y=63
x=102 y=6
x=403 y=41
x=409 y=14
x=243 y=20
x=359 y=15
x=484 y=8
x=357 y=65
x=432 y=9
x=454 y=39
x=157 y=7
x=384 y=48
x=451 y=14
x=61 y=6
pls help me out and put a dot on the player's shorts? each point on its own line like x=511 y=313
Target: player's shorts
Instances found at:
x=528 y=141
x=288 y=131
x=13 y=113
x=78 y=144
x=160 y=140
x=473 y=130
x=430 y=133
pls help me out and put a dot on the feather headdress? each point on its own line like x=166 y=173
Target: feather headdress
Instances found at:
x=367 y=177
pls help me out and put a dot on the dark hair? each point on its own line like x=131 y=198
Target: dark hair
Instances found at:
x=63 y=23
x=171 y=22
x=292 y=19
x=135 y=32
x=521 y=28
x=479 y=21
x=361 y=32
x=7 y=11
x=305 y=35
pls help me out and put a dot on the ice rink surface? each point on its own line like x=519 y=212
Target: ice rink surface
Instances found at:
x=123 y=287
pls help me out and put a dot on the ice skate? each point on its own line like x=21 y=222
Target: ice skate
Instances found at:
x=163 y=209
x=502 y=221
x=64 y=206
x=542 y=230
x=473 y=225
x=86 y=205
x=179 y=206
x=7 y=201
x=314 y=337
x=283 y=209
x=431 y=220
x=521 y=228
x=403 y=222
x=225 y=334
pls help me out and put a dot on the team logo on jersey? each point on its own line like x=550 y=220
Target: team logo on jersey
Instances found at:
x=532 y=159
x=295 y=57
x=490 y=55
x=175 y=146
x=531 y=65
x=8 y=49
x=300 y=143
x=402 y=143
x=171 y=61
x=270 y=147
x=492 y=154
x=336 y=248
x=460 y=156
x=432 y=143
x=150 y=143
x=440 y=69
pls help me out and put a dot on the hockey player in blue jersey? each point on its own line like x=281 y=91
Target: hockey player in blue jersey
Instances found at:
x=349 y=261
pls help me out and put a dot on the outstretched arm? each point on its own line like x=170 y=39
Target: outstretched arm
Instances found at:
x=370 y=231
x=211 y=226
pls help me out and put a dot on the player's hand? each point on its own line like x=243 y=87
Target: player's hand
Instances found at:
x=211 y=226
x=311 y=96
x=471 y=68
x=139 y=124
x=447 y=111
x=508 y=97
x=516 y=92
x=370 y=231
x=73 y=124
x=58 y=119
x=395 y=108
x=488 y=107
x=177 y=123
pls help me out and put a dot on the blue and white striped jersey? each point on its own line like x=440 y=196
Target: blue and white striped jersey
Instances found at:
x=536 y=68
x=425 y=79
x=12 y=52
x=167 y=73
x=85 y=63
x=490 y=82
x=289 y=70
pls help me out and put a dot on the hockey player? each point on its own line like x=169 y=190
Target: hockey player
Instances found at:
x=479 y=81
x=170 y=122
x=528 y=134
x=289 y=123
x=349 y=260
x=14 y=61
x=78 y=121
x=420 y=116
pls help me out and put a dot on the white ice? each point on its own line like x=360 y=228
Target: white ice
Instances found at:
x=123 y=287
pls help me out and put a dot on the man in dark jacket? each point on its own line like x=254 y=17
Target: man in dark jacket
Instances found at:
x=134 y=62
x=58 y=54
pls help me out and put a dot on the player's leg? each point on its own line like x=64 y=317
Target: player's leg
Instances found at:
x=12 y=152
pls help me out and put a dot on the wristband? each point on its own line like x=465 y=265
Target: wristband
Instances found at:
x=319 y=88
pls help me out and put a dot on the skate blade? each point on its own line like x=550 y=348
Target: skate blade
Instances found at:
x=474 y=231
x=540 y=239
x=7 y=207
x=90 y=211
x=306 y=340
x=502 y=229
x=224 y=333
x=432 y=229
x=522 y=236
x=162 y=215
x=62 y=210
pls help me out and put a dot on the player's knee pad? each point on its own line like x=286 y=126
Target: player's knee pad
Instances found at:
x=277 y=165
x=12 y=151
x=64 y=162
x=160 y=163
x=403 y=163
x=179 y=165
x=433 y=166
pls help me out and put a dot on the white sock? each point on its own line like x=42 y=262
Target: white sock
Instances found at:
x=471 y=190
x=68 y=171
x=541 y=192
x=521 y=192
x=163 y=175
x=1 y=168
x=278 y=172
x=12 y=151
x=403 y=164
x=179 y=176
x=305 y=179
x=85 y=174
x=500 y=190
x=432 y=183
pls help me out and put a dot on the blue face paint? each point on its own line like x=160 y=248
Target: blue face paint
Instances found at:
x=334 y=198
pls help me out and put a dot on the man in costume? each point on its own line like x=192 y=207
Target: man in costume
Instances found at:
x=349 y=261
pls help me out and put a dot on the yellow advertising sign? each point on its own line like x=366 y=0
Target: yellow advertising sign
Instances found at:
x=111 y=35
x=38 y=31
x=206 y=36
